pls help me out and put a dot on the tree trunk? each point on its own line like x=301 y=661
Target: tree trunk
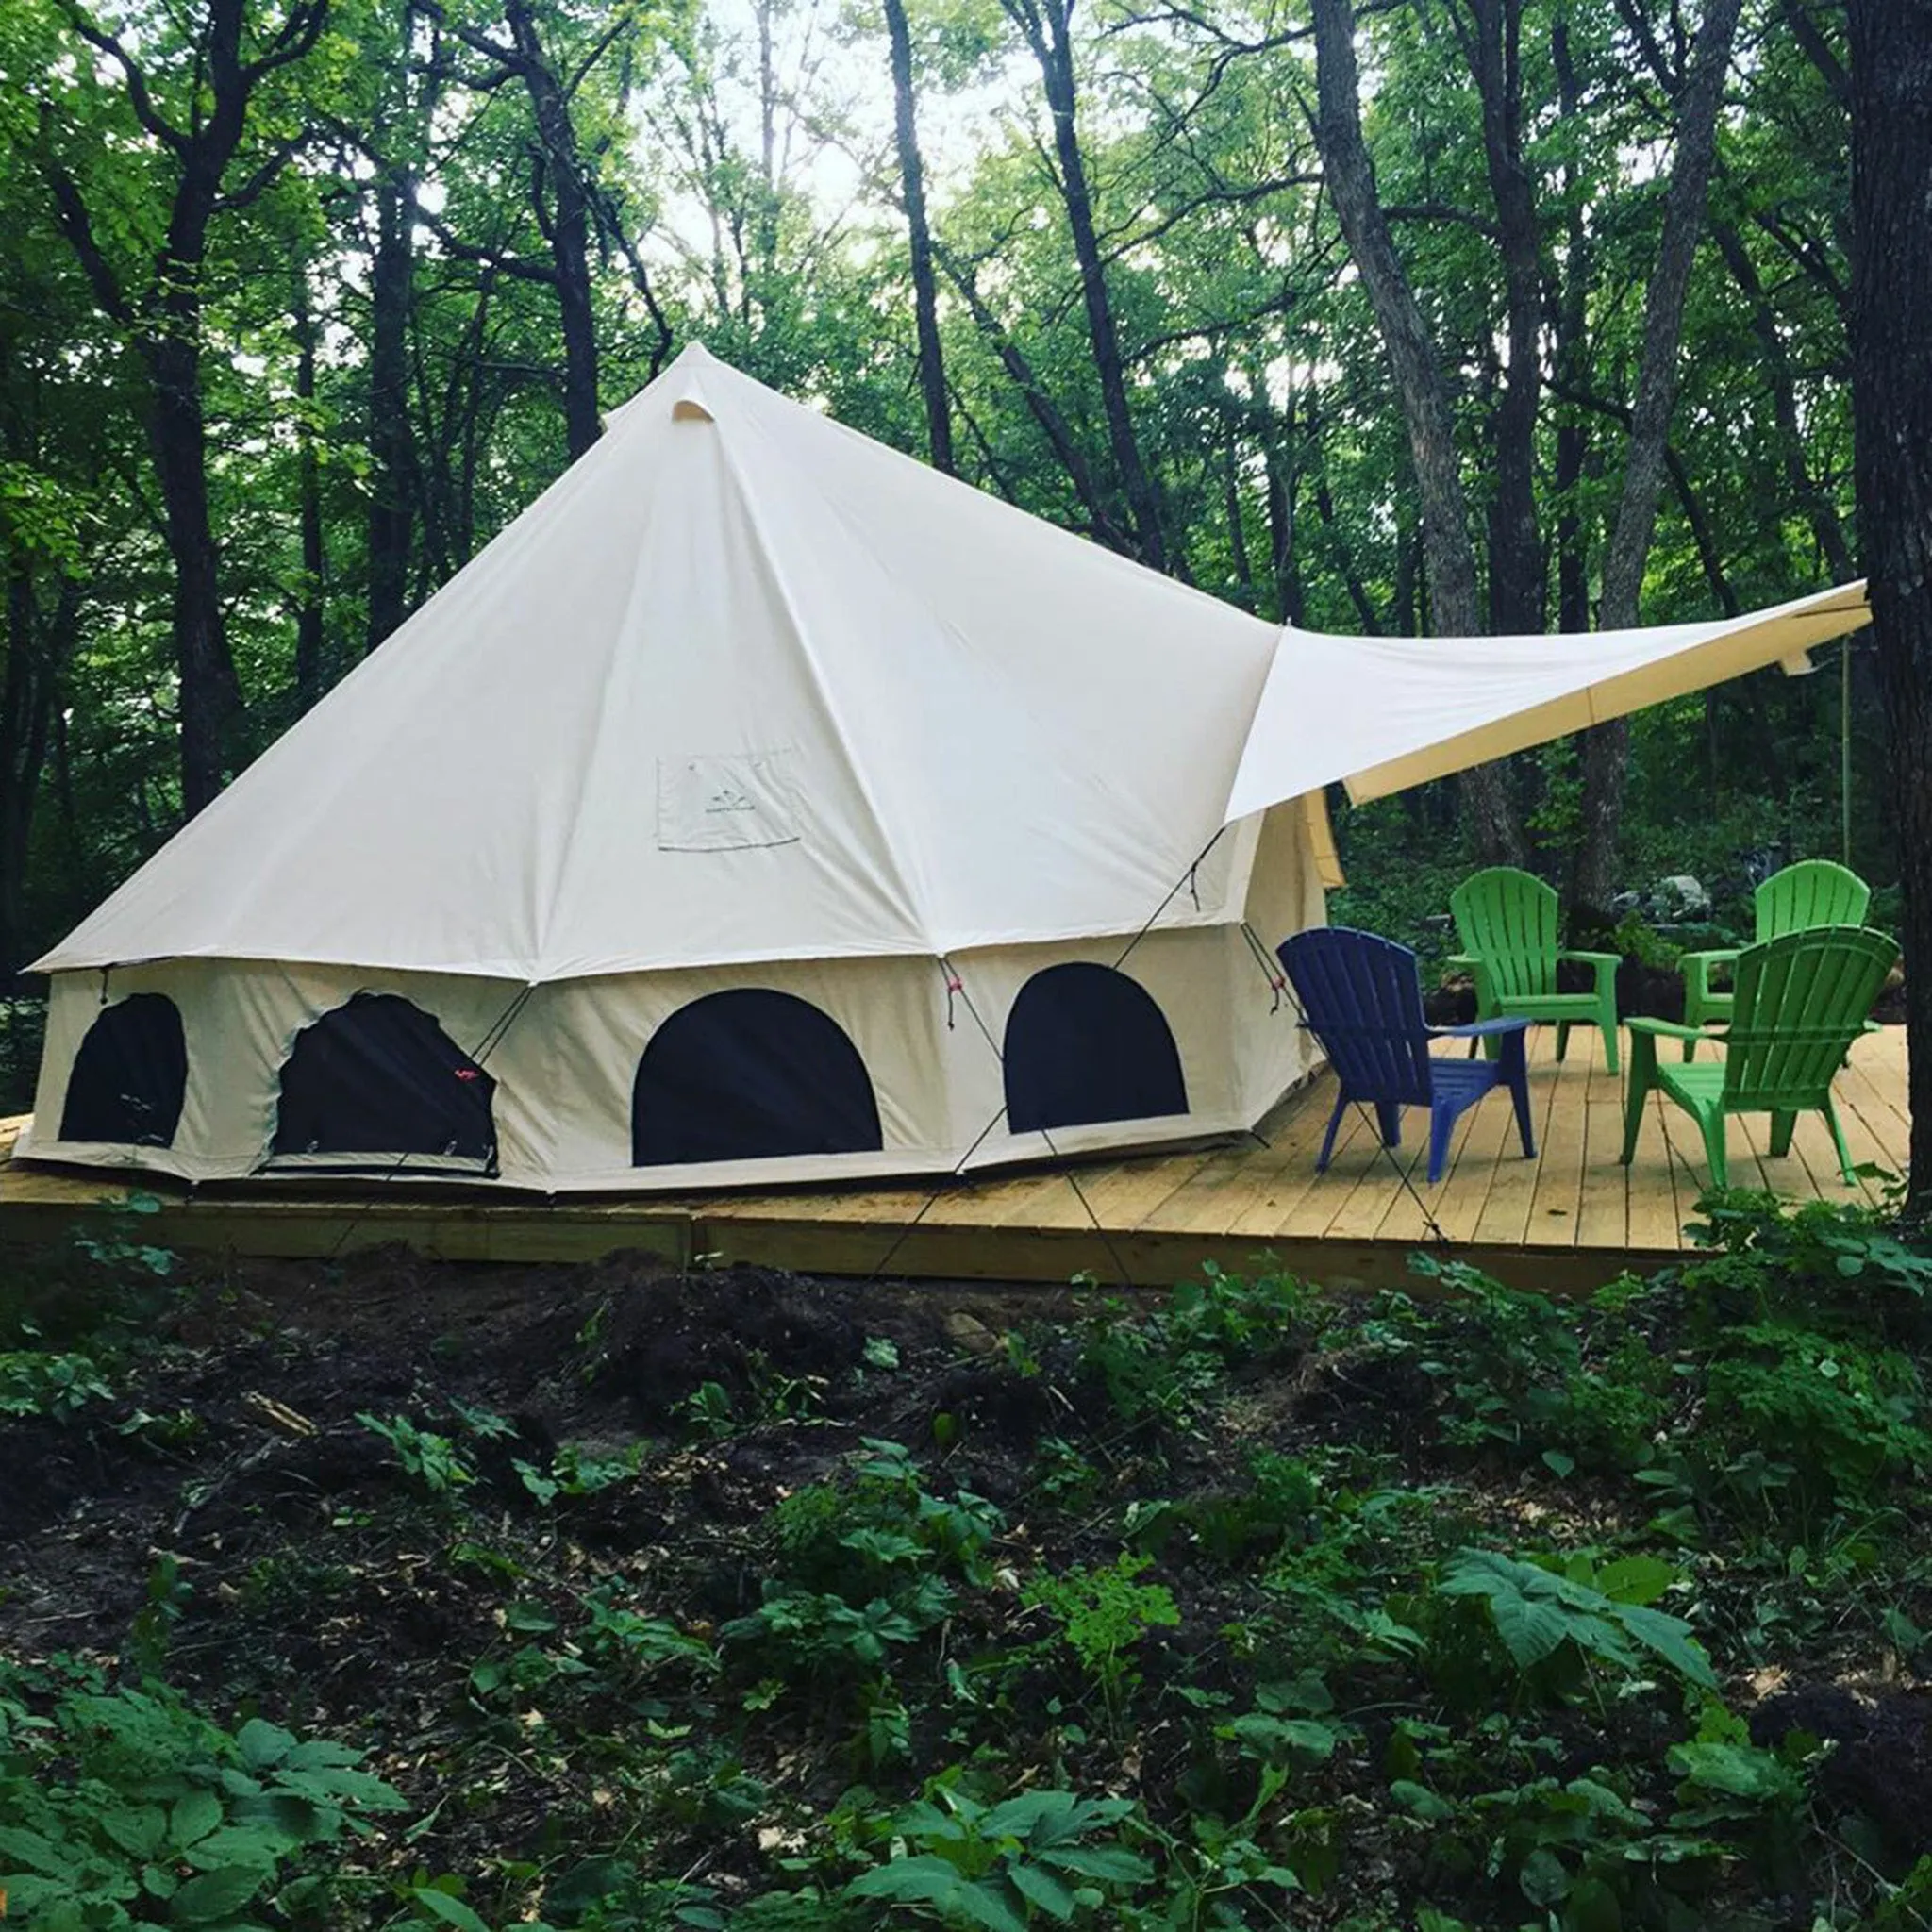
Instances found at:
x=39 y=646
x=162 y=322
x=1448 y=554
x=1891 y=409
x=1818 y=511
x=569 y=228
x=16 y=700
x=1236 y=532
x=178 y=435
x=392 y=439
x=1045 y=412
x=1283 y=555
x=1606 y=747
x=1517 y=598
x=309 y=506
x=926 y=297
x=1051 y=44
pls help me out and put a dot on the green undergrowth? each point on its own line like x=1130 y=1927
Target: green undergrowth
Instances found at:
x=1253 y=1606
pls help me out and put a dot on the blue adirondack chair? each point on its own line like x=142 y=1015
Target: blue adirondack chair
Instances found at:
x=1361 y=997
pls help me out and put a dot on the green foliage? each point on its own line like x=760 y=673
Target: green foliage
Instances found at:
x=1159 y=1367
x=1432 y=1600
x=35 y=1383
x=1555 y=1618
x=126 y=1809
x=422 y=1454
x=1043 y=1857
x=574 y=1473
x=1104 y=1613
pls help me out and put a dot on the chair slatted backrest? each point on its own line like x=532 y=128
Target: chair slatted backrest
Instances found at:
x=1362 y=996
x=1813 y=893
x=1507 y=918
x=1801 y=1000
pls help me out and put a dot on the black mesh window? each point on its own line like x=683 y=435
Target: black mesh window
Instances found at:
x=129 y=1075
x=1086 y=1043
x=750 y=1075
x=379 y=1078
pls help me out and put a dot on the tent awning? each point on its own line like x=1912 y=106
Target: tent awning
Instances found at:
x=1382 y=713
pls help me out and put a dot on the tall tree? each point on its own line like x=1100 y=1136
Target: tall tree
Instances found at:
x=1891 y=402
x=926 y=307
x=154 y=294
x=562 y=190
x=1047 y=27
x=1420 y=386
x=1517 y=577
x=1606 y=747
x=393 y=485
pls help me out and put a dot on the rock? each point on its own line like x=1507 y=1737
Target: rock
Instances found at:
x=1624 y=903
x=970 y=1333
x=1680 y=896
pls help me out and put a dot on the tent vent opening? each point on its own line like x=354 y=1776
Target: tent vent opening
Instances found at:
x=130 y=1076
x=376 y=1081
x=751 y=1074
x=685 y=410
x=1087 y=1043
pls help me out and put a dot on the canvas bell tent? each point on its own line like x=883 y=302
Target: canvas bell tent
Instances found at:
x=763 y=806
x=759 y=806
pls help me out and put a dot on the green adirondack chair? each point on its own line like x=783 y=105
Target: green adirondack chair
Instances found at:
x=1813 y=893
x=1505 y=922
x=1800 y=1002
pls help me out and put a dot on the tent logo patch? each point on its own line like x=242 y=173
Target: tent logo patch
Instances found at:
x=726 y=802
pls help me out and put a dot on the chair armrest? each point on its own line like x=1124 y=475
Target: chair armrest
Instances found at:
x=1480 y=1029
x=1599 y=963
x=1462 y=962
x=1669 y=1029
x=1712 y=955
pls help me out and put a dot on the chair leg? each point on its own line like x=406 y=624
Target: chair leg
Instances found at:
x=1643 y=1078
x=1441 y=1126
x=1609 y=1023
x=1714 y=1152
x=1563 y=1037
x=1328 y=1138
x=1844 y=1153
x=1516 y=1077
x=1388 y=1116
x=1781 y=1126
x=1689 y=1048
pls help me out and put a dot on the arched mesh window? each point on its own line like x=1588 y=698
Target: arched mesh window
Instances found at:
x=750 y=1074
x=129 y=1075
x=378 y=1078
x=1087 y=1043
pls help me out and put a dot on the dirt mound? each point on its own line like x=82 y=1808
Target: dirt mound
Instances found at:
x=748 y=1330
x=1881 y=1761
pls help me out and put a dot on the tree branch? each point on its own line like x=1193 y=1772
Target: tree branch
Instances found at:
x=137 y=96
x=77 y=226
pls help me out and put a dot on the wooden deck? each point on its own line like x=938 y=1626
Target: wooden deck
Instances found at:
x=1566 y=1220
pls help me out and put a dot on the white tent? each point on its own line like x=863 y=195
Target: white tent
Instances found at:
x=764 y=805
x=728 y=818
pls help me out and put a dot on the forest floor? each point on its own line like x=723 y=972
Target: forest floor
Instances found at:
x=390 y=1593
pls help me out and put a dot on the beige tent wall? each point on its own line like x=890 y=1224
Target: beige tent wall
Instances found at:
x=567 y=1067
x=240 y=1019
x=566 y=1064
x=1284 y=895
